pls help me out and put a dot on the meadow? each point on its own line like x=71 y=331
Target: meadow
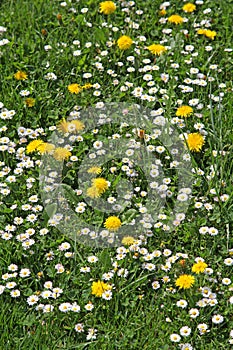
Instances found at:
x=116 y=191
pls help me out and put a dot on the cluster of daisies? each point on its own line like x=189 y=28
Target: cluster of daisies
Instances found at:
x=144 y=71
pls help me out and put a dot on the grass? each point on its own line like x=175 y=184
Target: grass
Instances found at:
x=137 y=315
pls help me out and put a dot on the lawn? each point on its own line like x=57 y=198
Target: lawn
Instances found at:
x=116 y=192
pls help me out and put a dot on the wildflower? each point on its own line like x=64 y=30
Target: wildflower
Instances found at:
x=112 y=223
x=86 y=86
x=185 y=281
x=195 y=142
x=74 y=88
x=184 y=111
x=61 y=153
x=162 y=12
x=216 y=319
x=128 y=240
x=94 y=170
x=63 y=125
x=100 y=184
x=211 y=34
x=189 y=7
x=99 y=287
x=77 y=124
x=175 y=19
x=93 y=192
x=91 y=334
x=107 y=7
x=199 y=267
x=46 y=148
x=157 y=49
x=208 y=33
x=175 y=337
x=185 y=331
x=79 y=327
x=33 y=145
x=124 y=42
x=30 y=102
x=20 y=75
x=182 y=303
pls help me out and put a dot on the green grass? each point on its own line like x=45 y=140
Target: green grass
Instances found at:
x=137 y=316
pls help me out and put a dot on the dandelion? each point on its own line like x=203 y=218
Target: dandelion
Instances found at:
x=61 y=153
x=124 y=42
x=100 y=184
x=184 y=111
x=112 y=223
x=156 y=49
x=185 y=281
x=107 y=7
x=94 y=170
x=195 y=142
x=162 y=12
x=86 y=86
x=63 y=126
x=20 y=75
x=46 y=148
x=175 y=19
x=79 y=126
x=128 y=240
x=189 y=7
x=199 y=267
x=93 y=192
x=33 y=146
x=208 y=33
x=99 y=287
x=211 y=34
x=74 y=88
x=30 y=102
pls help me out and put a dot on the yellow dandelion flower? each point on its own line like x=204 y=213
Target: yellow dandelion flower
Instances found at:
x=100 y=184
x=185 y=281
x=63 y=125
x=20 y=75
x=94 y=170
x=99 y=287
x=189 y=7
x=61 y=153
x=79 y=126
x=184 y=111
x=86 y=86
x=107 y=7
x=74 y=88
x=175 y=19
x=211 y=34
x=162 y=12
x=33 y=145
x=195 y=142
x=199 y=267
x=46 y=148
x=124 y=42
x=112 y=223
x=201 y=31
x=93 y=192
x=156 y=49
x=30 y=102
x=128 y=240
